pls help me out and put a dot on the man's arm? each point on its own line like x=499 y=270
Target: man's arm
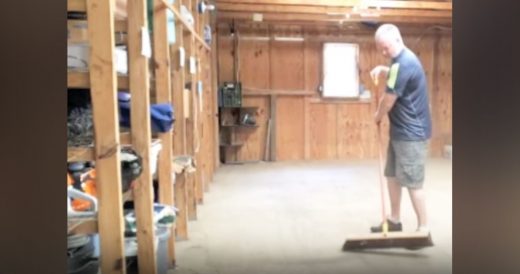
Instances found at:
x=385 y=105
x=376 y=72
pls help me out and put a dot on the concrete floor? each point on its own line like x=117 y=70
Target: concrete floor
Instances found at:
x=293 y=217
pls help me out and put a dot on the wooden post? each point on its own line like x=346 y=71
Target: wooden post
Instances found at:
x=141 y=133
x=179 y=133
x=190 y=125
x=164 y=95
x=273 y=127
x=107 y=148
x=199 y=181
x=214 y=90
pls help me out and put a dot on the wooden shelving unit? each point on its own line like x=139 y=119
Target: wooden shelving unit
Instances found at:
x=103 y=82
x=193 y=134
x=232 y=141
x=195 y=125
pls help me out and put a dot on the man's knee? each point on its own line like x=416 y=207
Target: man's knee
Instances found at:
x=392 y=180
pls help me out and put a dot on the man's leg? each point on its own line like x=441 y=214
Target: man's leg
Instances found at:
x=419 y=205
x=394 y=191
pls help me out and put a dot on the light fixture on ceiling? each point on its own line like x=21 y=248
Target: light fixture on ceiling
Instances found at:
x=288 y=39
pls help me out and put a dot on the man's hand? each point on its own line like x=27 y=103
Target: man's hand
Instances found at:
x=376 y=72
x=378 y=117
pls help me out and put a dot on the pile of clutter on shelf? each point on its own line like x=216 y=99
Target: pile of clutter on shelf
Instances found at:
x=80 y=127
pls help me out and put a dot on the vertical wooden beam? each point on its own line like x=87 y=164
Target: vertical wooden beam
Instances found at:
x=190 y=124
x=215 y=90
x=107 y=148
x=179 y=132
x=437 y=142
x=273 y=127
x=141 y=134
x=307 y=127
x=199 y=181
x=164 y=95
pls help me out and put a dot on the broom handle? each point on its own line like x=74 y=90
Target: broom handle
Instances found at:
x=381 y=178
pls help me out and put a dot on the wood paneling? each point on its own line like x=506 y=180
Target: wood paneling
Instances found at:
x=289 y=128
x=225 y=59
x=254 y=63
x=287 y=65
x=254 y=148
x=312 y=64
x=328 y=130
x=323 y=131
x=443 y=102
x=355 y=131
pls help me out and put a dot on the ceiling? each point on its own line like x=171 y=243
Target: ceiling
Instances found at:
x=335 y=12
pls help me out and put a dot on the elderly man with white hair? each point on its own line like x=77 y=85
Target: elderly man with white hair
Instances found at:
x=406 y=103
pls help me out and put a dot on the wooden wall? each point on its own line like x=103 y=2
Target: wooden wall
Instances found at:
x=308 y=127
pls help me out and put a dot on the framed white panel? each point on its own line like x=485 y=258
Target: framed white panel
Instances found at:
x=340 y=70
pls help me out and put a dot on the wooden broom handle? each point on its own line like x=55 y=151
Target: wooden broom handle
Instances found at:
x=381 y=177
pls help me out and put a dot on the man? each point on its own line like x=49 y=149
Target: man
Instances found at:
x=406 y=103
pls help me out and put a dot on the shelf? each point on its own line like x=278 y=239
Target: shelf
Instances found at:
x=239 y=107
x=81 y=79
x=86 y=154
x=81 y=6
x=83 y=227
x=232 y=145
x=80 y=154
x=240 y=162
x=240 y=126
x=186 y=25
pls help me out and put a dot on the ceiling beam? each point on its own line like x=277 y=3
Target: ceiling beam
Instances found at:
x=269 y=17
x=328 y=10
x=396 y=4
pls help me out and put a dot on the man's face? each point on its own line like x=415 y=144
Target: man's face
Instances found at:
x=385 y=48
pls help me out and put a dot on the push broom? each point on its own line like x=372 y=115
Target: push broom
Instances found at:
x=386 y=239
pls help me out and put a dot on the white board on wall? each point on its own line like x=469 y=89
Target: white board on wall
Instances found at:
x=340 y=70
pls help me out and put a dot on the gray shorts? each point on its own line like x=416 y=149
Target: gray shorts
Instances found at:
x=405 y=160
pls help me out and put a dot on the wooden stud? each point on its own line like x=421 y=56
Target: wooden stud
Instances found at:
x=307 y=129
x=107 y=149
x=181 y=204
x=164 y=95
x=179 y=133
x=141 y=134
x=190 y=127
x=273 y=127
x=199 y=180
x=215 y=90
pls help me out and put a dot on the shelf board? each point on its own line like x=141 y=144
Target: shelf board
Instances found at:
x=240 y=126
x=80 y=154
x=86 y=154
x=253 y=107
x=81 y=79
x=232 y=145
x=81 y=6
x=186 y=24
x=85 y=227
x=240 y=162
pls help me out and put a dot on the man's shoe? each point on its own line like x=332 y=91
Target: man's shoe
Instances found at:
x=391 y=227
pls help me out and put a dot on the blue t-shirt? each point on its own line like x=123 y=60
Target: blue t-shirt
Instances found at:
x=410 y=118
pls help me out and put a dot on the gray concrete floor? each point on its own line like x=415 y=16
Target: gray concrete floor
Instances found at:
x=293 y=217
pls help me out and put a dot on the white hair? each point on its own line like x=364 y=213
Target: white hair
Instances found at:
x=388 y=33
